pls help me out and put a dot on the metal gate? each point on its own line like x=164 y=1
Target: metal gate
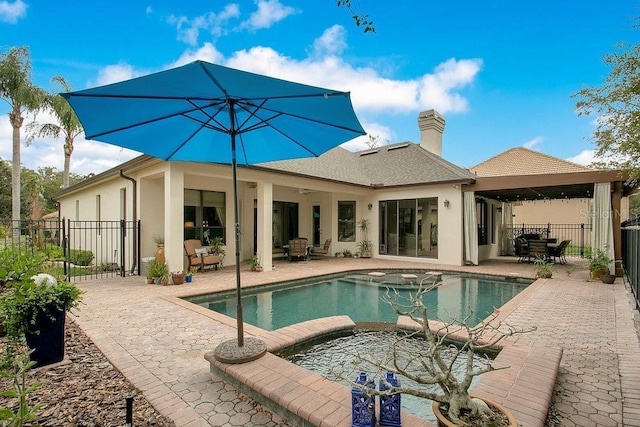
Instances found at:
x=94 y=249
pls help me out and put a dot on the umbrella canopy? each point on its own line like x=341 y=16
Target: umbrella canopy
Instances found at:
x=203 y=112
x=183 y=114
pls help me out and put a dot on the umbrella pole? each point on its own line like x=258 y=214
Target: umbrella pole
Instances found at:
x=235 y=351
x=236 y=225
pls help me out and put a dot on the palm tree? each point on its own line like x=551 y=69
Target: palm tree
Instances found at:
x=18 y=91
x=67 y=125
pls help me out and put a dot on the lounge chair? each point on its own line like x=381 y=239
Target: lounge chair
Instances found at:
x=298 y=248
x=558 y=251
x=323 y=250
x=198 y=255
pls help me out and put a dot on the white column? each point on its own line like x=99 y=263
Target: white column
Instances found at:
x=265 y=218
x=174 y=217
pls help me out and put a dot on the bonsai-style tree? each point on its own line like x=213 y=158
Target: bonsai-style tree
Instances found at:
x=446 y=344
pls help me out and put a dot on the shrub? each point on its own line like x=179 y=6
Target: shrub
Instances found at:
x=16 y=265
x=80 y=257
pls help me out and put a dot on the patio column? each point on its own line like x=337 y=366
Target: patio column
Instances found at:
x=174 y=217
x=264 y=246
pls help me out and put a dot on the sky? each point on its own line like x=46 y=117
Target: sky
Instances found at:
x=502 y=72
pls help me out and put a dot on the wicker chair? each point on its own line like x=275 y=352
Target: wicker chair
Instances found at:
x=558 y=251
x=298 y=248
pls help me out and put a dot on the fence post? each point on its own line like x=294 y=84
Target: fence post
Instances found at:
x=65 y=261
x=582 y=240
x=122 y=246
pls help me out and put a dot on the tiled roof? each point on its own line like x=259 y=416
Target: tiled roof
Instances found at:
x=523 y=161
x=389 y=165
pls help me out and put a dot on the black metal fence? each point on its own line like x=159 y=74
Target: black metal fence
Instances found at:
x=631 y=255
x=580 y=236
x=83 y=249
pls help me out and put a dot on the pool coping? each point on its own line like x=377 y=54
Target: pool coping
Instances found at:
x=524 y=383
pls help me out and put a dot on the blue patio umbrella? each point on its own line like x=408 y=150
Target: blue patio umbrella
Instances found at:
x=203 y=112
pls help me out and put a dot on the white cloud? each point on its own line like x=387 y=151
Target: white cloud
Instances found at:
x=331 y=42
x=586 y=157
x=212 y=23
x=10 y=12
x=531 y=144
x=269 y=12
x=371 y=93
x=114 y=73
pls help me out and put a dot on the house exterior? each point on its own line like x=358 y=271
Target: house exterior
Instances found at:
x=409 y=193
x=420 y=207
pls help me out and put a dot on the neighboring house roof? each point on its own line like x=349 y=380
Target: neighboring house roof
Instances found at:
x=523 y=161
x=390 y=165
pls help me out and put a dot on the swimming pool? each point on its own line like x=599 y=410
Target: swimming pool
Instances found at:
x=359 y=296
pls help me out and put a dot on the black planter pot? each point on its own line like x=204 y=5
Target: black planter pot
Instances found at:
x=48 y=344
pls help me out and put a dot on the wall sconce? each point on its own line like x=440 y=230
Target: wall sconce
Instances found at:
x=446 y=203
x=370 y=206
x=499 y=209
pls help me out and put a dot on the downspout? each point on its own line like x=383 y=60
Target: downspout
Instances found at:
x=135 y=219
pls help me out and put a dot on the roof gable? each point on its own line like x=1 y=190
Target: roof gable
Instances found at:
x=523 y=161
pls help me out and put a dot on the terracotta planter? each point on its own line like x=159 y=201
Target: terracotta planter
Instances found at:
x=444 y=422
x=177 y=279
x=150 y=281
x=608 y=278
x=160 y=253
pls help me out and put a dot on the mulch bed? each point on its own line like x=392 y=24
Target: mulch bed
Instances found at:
x=89 y=391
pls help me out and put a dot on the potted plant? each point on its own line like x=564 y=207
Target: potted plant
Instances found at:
x=35 y=308
x=177 y=278
x=188 y=276
x=215 y=246
x=157 y=270
x=543 y=268
x=365 y=246
x=453 y=405
x=254 y=263
x=599 y=263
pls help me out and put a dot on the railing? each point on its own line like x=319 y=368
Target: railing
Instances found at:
x=81 y=249
x=579 y=234
x=631 y=255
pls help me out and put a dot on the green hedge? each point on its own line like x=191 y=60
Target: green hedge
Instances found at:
x=81 y=257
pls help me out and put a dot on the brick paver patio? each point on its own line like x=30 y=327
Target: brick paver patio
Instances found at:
x=159 y=343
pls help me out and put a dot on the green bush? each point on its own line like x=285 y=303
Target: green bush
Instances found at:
x=16 y=265
x=80 y=257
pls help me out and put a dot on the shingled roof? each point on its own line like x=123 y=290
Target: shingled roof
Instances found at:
x=523 y=161
x=390 y=165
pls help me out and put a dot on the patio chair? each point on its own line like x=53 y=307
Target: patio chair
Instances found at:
x=298 y=248
x=538 y=249
x=198 y=255
x=323 y=250
x=522 y=249
x=558 y=252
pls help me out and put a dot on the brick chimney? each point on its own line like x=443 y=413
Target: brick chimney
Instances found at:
x=431 y=124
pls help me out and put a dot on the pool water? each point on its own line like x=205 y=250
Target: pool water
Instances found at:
x=359 y=296
x=342 y=358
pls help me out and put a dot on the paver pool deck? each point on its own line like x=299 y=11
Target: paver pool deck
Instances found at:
x=159 y=343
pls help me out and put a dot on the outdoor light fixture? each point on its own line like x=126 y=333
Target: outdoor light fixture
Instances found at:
x=446 y=203
x=370 y=206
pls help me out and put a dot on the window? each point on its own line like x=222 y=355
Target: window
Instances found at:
x=204 y=215
x=409 y=227
x=346 y=221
